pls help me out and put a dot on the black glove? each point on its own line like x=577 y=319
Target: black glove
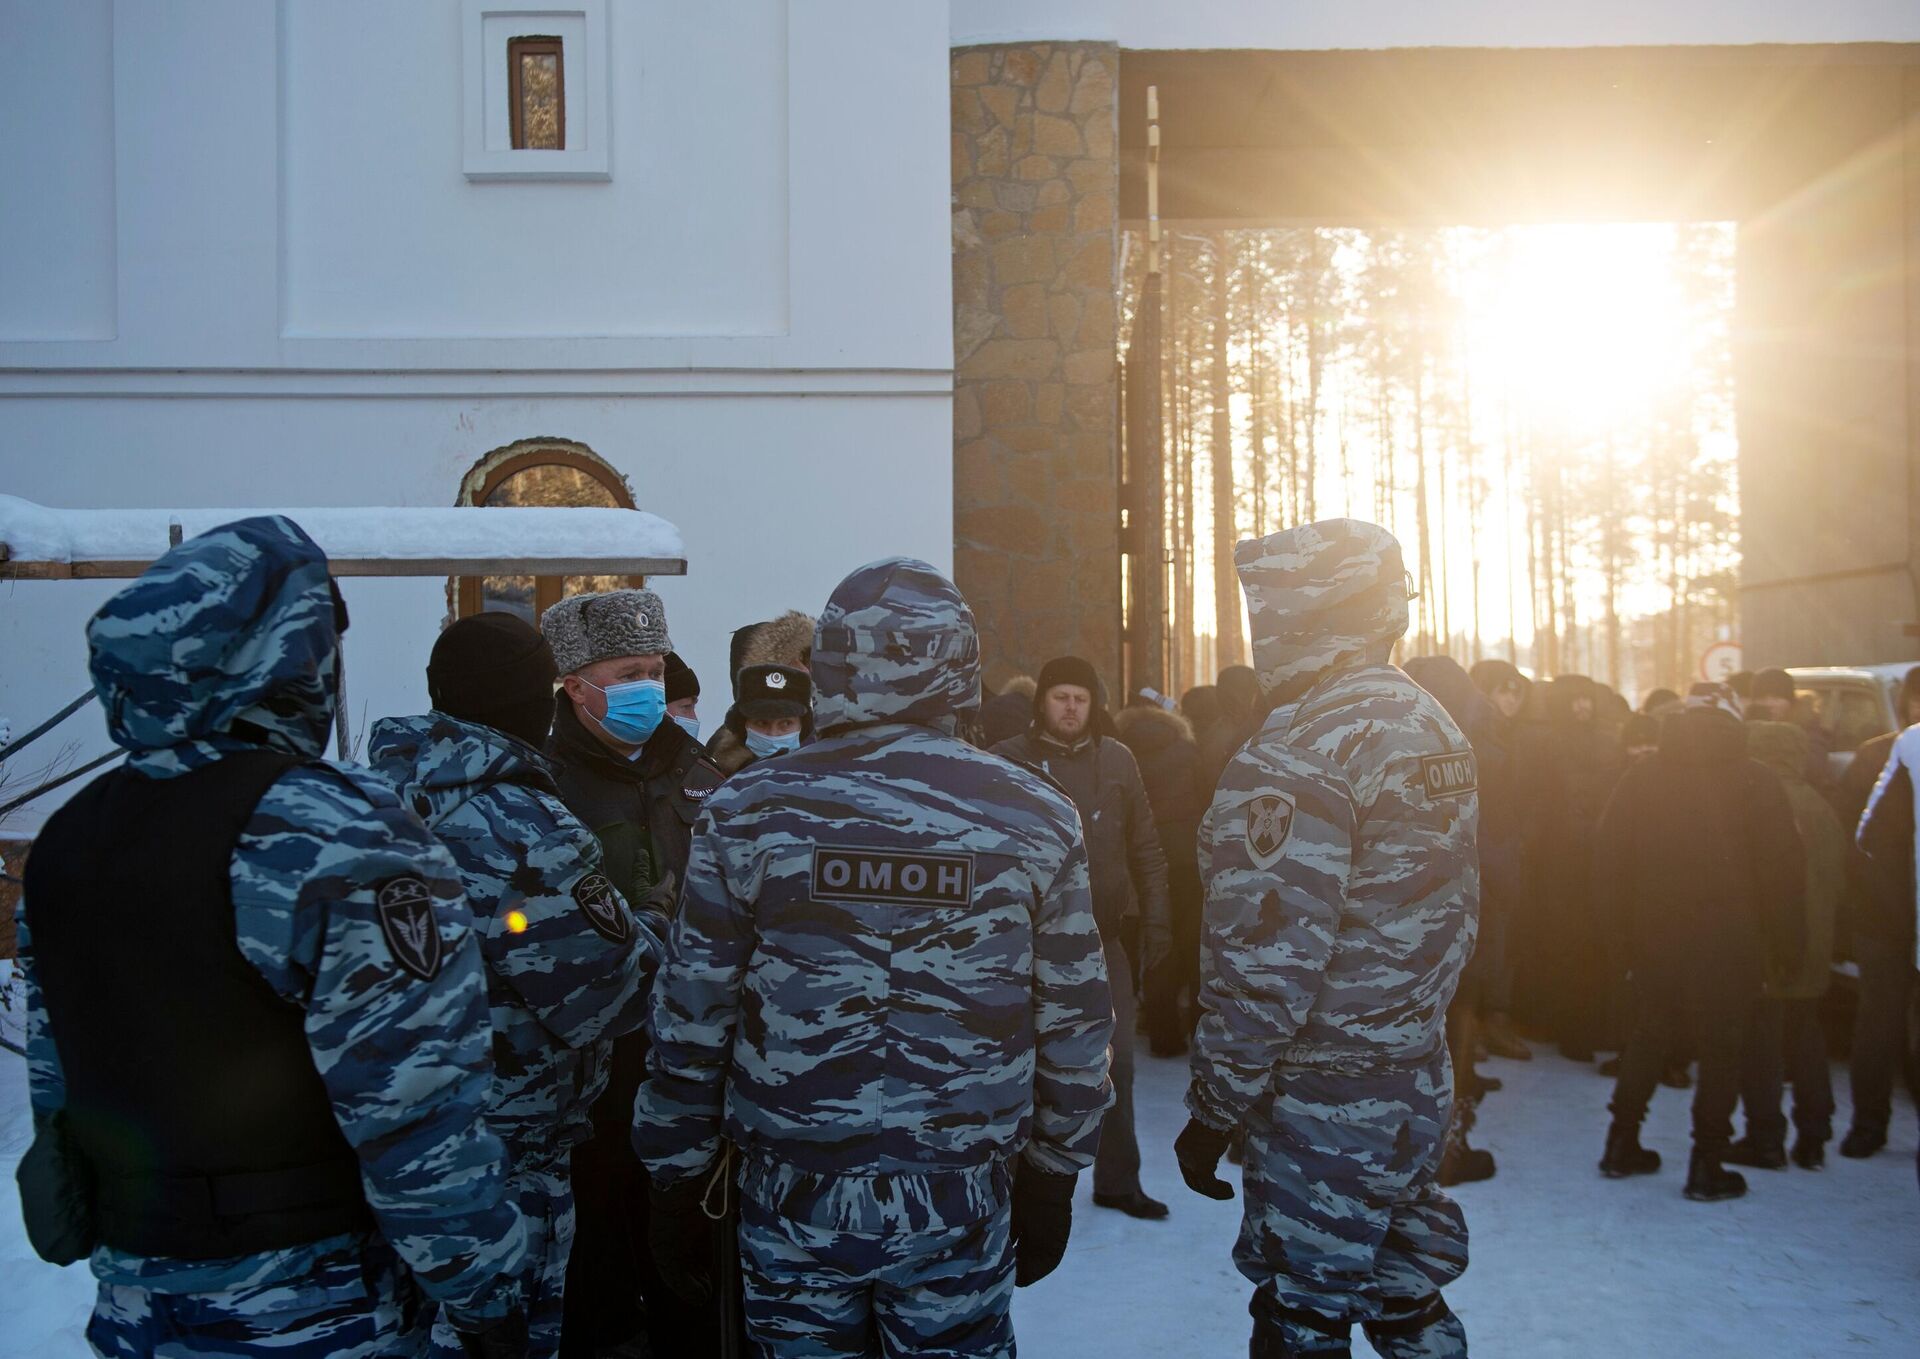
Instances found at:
x=1198 y=1149
x=1042 y=1221
x=502 y=1339
x=665 y=896
x=683 y=1238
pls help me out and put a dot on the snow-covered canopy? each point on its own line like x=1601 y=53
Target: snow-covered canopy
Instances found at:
x=360 y=540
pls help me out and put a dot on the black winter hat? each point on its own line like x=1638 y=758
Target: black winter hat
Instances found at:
x=1773 y=682
x=1067 y=670
x=681 y=681
x=495 y=669
x=763 y=692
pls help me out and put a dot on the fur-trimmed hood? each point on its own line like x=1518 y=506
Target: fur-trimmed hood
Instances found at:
x=786 y=640
x=1150 y=728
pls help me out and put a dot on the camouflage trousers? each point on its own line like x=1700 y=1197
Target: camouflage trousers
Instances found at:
x=1344 y=1221
x=355 y=1304
x=545 y=1196
x=818 y=1292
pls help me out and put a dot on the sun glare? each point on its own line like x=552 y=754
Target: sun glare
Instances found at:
x=1577 y=325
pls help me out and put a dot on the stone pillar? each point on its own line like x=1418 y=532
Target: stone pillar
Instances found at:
x=1036 y=496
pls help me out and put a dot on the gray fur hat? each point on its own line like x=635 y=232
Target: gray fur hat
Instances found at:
x=582 y=629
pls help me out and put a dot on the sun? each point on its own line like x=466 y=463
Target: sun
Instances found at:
x=1580 y=325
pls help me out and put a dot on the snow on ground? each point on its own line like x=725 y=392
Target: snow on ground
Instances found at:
x=1565 y=1263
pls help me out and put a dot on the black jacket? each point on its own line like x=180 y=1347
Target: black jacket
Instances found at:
x=1881 y=869
x=1699 y=847
x=642 y=810
x=1124 y=858
x=1163 y=746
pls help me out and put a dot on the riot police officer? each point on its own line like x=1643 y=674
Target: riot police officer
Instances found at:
x=257 y=1020
x=1342 y=896
x=885 y=996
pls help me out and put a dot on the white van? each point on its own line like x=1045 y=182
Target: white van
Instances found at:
x=1856 y=702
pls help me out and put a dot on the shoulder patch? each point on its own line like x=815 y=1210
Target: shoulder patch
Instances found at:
x=405 y=907
x=1269 y=826
x=1452 y=773
x=597 y=900
x=892 y=877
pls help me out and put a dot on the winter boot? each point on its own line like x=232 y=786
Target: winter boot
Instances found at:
x=1502 y=1041
x=1710 y=1182
x=1757 y=1155
x=1282 y=1333
x=1809 y=1152
x=1625 y=1156
x=1860 y=1143
x=1460 y=1163
x=1427 y=1329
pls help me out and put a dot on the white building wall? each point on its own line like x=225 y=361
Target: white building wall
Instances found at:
x=241 y=264
x=1313 y=25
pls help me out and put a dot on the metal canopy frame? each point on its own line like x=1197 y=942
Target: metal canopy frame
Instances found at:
x=27 y=569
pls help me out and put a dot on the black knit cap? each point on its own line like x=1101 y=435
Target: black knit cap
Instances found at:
x=764 y=692
x=1772 y=682
x=1067 y=670
x=495 y=669
x=681 y=681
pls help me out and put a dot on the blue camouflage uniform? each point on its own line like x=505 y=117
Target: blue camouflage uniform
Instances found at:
x=1342 y=896
x=567 y=964
x=226 y=644
x=884 y=985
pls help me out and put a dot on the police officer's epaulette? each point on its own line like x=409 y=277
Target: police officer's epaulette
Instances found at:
x=701 y=778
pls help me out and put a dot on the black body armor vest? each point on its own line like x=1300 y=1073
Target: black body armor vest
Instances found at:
x=191 y=1094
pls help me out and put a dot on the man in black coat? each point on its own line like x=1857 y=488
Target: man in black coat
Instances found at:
x=1880 y=906
x=1502 y=854
x=1071 y=742
x=1699 y=845
x=1163 y=746
x=638 y=781
x=1238 y=699
x=1567 y=769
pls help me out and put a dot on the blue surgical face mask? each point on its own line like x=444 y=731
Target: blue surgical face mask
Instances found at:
x=634 y=709
x=690 y=725
x=764 y=746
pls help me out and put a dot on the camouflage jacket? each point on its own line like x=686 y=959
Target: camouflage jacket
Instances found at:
x=1339 y=852
x=568 y=963
x=229 y=642
x=885 y=979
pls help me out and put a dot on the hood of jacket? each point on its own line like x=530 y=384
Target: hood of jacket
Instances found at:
x=896 y=643
x=1562 y=690
x=1448 y=682
x=1151 y=729
x=1703 y=736
x=1321 y=597
x=1781 y=747
x=786 y=640
x=439 y=762
x=229 y=641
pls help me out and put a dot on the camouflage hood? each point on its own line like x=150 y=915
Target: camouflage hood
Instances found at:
x=227 y=641
x=896 y=643
x=1321 y=596
x=439 y=762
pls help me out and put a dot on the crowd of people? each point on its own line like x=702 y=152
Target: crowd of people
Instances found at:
x=557 y=1029
x=1674 y=886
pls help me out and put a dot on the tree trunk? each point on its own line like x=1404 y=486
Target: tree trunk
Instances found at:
x=1226 y=585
